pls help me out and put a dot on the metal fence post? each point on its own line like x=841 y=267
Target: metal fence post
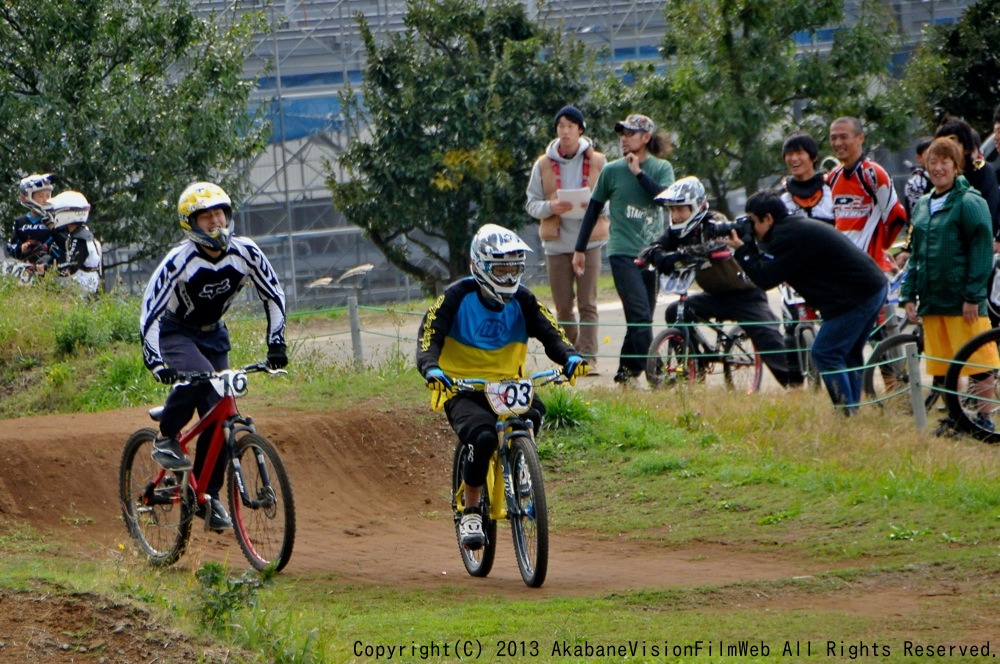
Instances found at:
x=352 y=305
x=916 y=388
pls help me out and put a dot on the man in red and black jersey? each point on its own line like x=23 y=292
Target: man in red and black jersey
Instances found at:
x=866 y=208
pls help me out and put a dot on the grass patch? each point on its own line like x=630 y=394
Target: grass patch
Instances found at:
x=889 y=512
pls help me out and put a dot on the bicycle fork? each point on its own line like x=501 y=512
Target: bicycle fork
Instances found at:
x=230 y=432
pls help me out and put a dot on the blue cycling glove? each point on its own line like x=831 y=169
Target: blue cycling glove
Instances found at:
x=437 y=380
x=575 y=367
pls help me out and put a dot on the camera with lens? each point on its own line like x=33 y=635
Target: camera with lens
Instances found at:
x=743 y=226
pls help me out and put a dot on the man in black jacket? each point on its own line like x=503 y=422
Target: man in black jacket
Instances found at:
x=833 y=276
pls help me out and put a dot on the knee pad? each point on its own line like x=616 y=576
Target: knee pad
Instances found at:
x=478 y=451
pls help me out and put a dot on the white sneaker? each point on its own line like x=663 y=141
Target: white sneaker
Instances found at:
x=470 y=532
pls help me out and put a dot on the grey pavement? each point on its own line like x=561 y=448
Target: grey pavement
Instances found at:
x=385 y=342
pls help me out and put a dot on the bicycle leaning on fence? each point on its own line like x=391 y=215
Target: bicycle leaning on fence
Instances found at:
x=886 y=379
x=682 y=353
x=973 y=400
x=158 y=505
x=514 y=488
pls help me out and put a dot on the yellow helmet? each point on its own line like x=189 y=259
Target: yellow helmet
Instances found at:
x=199 y=197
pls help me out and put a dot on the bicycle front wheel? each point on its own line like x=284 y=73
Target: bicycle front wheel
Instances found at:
x=886 y=378
x=805 y=336
x=972 y=399
x=741 y=365
x=263 y=517
x=668 y=364
x=157 y=504
x=479 y=562
x=529 y=515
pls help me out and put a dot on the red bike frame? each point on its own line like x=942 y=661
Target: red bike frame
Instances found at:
x=218 y=416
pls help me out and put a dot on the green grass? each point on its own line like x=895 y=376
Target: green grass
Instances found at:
x=895 y=516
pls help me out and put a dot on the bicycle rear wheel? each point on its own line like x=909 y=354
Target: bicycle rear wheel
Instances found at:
x=264 y=520
x=157 y=504
x=970 y=400
x=529 y=515
x=668 y=364
x=886 y=374
x=741 y=365
x=479 y=562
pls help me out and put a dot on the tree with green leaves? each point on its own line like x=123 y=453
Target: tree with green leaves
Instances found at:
x=451 y=114
x=956 y=69
x=127 y=102
x=741 y=74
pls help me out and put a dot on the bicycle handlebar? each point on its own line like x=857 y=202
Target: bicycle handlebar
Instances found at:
x=554 y=375
x=195 y=377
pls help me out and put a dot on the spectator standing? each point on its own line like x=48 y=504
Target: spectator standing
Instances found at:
x=918 y=183
x=804 y=190
x=995 y=150
x=952 y=243
x=976 y=170
x=829 y=271
x=866 y=208
x=570 y=162
x=629 y=186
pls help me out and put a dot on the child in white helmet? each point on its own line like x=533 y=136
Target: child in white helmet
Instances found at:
x=479 y=328
x=78 y=252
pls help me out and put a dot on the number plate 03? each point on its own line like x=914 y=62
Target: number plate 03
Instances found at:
x=510 y=397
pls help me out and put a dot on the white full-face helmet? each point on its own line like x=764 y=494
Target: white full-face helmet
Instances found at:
x=69 y=207
x=498 y=261
x=29 y=186
x=686 y=191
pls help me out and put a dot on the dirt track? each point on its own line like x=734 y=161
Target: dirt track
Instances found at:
x=371 y=507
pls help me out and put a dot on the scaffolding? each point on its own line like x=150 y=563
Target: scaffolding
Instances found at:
x=314 y=49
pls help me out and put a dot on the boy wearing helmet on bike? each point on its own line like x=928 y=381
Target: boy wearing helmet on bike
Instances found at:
x=73 y=241
x=181 y=322
x=728 y=294
x=479 y=328
x=30 y=235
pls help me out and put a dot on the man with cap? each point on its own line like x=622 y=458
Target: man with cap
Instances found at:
x=629 y=186
x=570 y=163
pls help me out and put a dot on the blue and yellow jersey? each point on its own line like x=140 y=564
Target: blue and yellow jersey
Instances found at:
x=467 y=336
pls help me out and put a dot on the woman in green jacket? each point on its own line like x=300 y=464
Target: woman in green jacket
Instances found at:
x=952 y=242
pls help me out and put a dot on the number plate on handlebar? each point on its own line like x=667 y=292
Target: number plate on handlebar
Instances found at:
x=509 y=397
x=230 y=381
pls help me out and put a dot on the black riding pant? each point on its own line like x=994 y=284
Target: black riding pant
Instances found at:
x=189 y=349
x=750 y=306
x=475 y=423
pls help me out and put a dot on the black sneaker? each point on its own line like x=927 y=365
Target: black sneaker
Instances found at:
x=625 y=374
x=218 y=518
x=168 y=453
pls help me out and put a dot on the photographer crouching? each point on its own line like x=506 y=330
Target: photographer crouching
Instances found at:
x=833 y=276
x=695 y=235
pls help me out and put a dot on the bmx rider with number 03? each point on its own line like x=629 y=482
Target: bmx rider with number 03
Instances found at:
x=479 y=328
x=182 y=329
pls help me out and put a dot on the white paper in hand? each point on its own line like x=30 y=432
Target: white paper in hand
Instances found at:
x=580 y=198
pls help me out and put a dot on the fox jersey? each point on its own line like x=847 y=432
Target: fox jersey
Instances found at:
x=196 y=290
x=468 y=337
x=867 y=209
